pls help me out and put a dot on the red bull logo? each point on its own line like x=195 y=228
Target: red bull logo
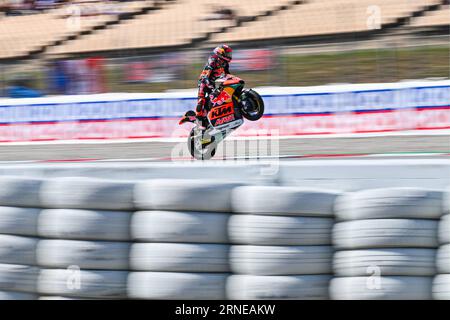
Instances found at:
x=221 y=98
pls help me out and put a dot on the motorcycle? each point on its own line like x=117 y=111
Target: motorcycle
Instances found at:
x=229 y=103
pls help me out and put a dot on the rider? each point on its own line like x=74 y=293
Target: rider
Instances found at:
x=217 y=66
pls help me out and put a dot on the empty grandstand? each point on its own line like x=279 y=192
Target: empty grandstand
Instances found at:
x=37 y=33
x=72 y=28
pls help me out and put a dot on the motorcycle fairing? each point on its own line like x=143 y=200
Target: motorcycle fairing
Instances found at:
x=221 y=111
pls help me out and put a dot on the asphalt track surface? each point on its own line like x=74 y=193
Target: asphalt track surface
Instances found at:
x=296 y=148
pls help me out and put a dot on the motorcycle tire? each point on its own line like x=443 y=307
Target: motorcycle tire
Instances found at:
x=207 y=152
x=254 y=99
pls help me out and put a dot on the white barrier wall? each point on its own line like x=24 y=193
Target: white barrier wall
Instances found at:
x=385 y=242
x=328 y=109
x=96 y=238
x=346 y=175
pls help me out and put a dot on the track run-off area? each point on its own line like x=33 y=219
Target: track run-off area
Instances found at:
x=406 y=144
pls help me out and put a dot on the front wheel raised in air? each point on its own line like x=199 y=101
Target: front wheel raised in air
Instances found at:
x=252 y=105
x=198 y=149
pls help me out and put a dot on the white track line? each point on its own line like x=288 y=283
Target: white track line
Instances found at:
x=405 y=155
x=238 y=158
x=174 y=140
x=274 y=157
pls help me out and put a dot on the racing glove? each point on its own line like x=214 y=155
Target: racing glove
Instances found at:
x=201 y=107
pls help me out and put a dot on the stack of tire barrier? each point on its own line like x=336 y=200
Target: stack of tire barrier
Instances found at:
x=181 y=244
x=86 y=253
x=281 y=240
x=81 y=238
x=19 y=203
x=386 y=241
x=441 y=284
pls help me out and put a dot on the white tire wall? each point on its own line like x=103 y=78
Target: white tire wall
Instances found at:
x=444 y=229
x=414 y=203
x=97 y=255
x=85 y=235
x=13 y=295
x=66 y=298
x=80 y=224
x=385 y=233
x=306 y=287
x=381 y=288
x=18 y=250
x=441 y=287
x=19 y=212
x=386 y=241
x=177 y=285
x=281 y=240
x=276 y=200
x=238 y=243
x=184 y=195
x=87 y=193
x=83 y=283
x=398 y=261
x=18 y=278
x=181 y=247
x=441 y=283
x=280 y=230
x=19 y=221
x=178 y=226
x=179 y=257
x=20 y=191
x=281 y=260
x=443 y=259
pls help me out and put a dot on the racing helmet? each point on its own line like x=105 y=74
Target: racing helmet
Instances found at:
x=224 y=52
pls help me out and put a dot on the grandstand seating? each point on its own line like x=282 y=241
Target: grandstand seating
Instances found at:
x=178 y=23
x=251 y=7
x=434 y=18
x=182 y=22
x=22 y=34
x=323 y=17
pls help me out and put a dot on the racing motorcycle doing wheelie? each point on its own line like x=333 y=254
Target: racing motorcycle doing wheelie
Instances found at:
x=228 y=105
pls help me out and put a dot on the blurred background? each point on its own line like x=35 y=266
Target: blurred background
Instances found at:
x=294 y=225
x=90 y=46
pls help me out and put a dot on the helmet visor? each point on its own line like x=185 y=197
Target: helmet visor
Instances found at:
x=227 y=56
